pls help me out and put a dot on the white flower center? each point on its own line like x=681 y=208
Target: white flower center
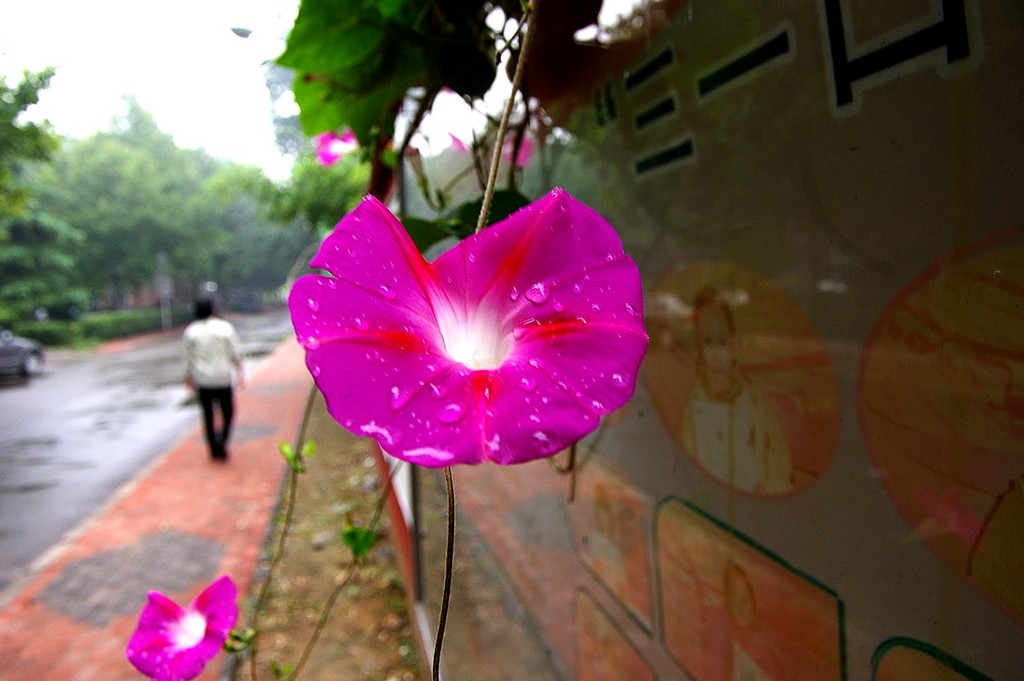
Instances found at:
x=476 y=342
x=189 y=630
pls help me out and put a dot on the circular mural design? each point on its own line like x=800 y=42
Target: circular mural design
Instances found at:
x=741 y=379
x=942 y=408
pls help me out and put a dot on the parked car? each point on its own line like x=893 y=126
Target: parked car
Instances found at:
x=20 y=355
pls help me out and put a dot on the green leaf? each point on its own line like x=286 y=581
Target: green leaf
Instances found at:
x=237 y=641
x=359 y=540
x=282 y=672
x=330 y=36
x=324 y=107
x=426 y=233
x=394 y=9
x=504 y=203
x=293 y=459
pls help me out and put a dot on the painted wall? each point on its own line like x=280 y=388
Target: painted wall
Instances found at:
x=821 y=475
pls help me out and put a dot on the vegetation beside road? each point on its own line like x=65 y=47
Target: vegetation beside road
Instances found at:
x=93 y=327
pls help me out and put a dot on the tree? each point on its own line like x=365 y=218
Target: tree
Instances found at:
x=316 y=195
x=20 y=140
x=38 y=263
x=246 y=250
x=133 y=194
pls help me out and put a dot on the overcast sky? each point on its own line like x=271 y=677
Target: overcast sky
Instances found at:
x=180 y=60
x=202 y=83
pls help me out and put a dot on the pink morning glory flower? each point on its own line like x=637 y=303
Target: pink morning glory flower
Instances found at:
x=522 y=157
x=458 y=145
x=509 y=347
x=331 y=146
x=174 y=644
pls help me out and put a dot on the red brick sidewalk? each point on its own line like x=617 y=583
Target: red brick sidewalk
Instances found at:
x=180 y=524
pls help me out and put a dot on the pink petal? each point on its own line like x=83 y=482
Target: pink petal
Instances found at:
x=330 y=146
x=547 y=294
x=573 y=302
x=217 y=604
x=458 y=145
x=525 y=150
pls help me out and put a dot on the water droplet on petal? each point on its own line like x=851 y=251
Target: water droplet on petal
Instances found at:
x=331 y=283
x=514 y=293
x=386 y=292
x=527 y=383
x=494 y=444
x=399 y=398
x=438 y=390
x=619 y=381
x=313 y=305
x=538 y=293
x=631 y=310
x=542 y=441
x=451 y=413
x=597 y=405
x=316 y=371
x=312 y=343
x=558 y=306
x=534 y=418
x=360 y=323
x=471 y=257
x=577 y=289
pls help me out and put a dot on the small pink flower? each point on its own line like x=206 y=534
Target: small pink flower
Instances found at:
x=522 y=157
x=331 y=146
x=175 y=644
x=509 y=347
x=458 y=145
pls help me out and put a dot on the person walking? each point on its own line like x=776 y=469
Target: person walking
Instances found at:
x=213 y=366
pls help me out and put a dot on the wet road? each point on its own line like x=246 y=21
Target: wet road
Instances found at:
x=69 y=438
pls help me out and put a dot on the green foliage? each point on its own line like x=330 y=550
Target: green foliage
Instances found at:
x=318 y=196
x=20 y=141
x=134 y=194
x=282 y=672
x=504 y=204
x=110 y=207
x=297 y=460
x=36 y=257
x=96 y=326
x=359 y=540
x=237 y=641
x=114 y=324
x=50 y=332
x=355 y=59
x=461 y=220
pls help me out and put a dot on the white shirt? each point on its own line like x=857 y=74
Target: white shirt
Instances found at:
x=212 y=350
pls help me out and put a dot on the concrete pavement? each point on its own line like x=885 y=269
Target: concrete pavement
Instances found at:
x=179 y=524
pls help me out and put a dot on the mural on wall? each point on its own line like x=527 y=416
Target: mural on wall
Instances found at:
x=905 y=659
x=942 y=407
x=740 y=378
x=610 y=523
x=733 y=611
x=602 y=653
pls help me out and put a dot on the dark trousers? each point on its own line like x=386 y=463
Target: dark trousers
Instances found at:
x=224 y=399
